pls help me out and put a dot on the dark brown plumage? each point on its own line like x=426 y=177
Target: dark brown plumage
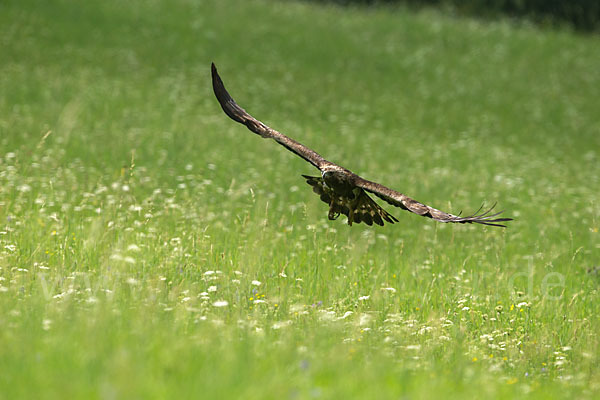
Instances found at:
x=341 y=189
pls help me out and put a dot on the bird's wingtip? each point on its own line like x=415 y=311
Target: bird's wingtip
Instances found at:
x=229 y=106
x=213 y=71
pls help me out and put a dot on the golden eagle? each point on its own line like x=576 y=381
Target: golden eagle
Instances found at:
x=341 y=189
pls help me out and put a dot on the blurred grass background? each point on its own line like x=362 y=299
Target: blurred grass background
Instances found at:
x=133 y=209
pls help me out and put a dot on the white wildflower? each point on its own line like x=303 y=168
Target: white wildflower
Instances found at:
x=346 y=315
x=302 y=349
x=221 y=303
x=425 y=329
x=131 y=281
x=281 y=324
x=46 y=324
x=133 y=247
x=326 y=315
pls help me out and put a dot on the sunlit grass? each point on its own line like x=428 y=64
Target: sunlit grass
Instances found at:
x=150 y=247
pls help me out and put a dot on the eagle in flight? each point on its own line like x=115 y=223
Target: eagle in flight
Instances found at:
x=344 y=191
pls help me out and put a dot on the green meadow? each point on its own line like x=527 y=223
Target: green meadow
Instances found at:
x=150 y=247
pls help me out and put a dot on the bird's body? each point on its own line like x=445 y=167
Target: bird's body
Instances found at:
x=340 y=180
x=344 y=191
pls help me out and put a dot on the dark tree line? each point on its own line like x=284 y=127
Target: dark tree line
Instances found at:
x=580 y=14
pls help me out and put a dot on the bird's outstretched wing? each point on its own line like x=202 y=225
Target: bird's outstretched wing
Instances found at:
x=367 y=210
x=406 y=203
x=238 y=114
